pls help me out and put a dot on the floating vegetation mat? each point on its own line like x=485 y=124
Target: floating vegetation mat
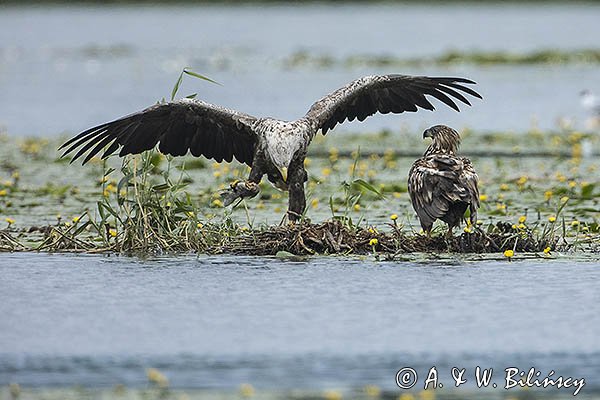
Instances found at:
x=548 y=56
x=540 y=196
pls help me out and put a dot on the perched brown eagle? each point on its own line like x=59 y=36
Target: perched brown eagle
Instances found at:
x=441 y=184
x=270 y=146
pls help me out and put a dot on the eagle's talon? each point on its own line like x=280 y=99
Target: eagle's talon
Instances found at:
x=239 y=190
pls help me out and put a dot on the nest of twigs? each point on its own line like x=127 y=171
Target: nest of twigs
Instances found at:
x=333 y=237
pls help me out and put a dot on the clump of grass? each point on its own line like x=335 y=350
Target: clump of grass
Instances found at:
x=144 y=213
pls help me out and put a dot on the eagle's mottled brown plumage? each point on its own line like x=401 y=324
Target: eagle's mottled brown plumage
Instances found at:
x=441 y=184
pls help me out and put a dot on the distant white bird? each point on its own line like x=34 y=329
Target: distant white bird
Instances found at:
x=590 y=102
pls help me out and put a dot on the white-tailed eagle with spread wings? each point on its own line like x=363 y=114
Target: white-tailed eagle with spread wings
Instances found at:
x=270 y=146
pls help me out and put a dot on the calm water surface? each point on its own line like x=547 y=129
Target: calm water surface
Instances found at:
x=220 y=321
x=63 y=69
x=217 y=322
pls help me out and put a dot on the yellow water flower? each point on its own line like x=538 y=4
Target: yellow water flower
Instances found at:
x=397 y=195
x=373 y=242
x=217 y=203
x=199 y=225
x=468 y=229
x=15 y=390
x=372 y=230
x=552 y=219
x=314 y=203
x=356 y=207
x=3 y=192
x=326 y=171
x=522 y=226
x=246 y=390
x=112 y=232
x=572 y=184
x=575 y=223
x=522 y=219
x=372 y=391
x=504 y=187
x=509 y=254
x=10 y=221
x=548 y=194
x=332 y=395
x=156 y=377
x=522 y=180
x=483 y=197
x=394 y=217
x=547 y=250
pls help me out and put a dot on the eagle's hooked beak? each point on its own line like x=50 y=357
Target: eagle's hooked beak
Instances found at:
x=427 y=133
x=284 y=172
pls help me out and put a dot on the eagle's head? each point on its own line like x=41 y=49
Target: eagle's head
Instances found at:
x=444 y=139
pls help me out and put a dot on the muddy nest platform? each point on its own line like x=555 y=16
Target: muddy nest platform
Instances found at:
x=332 y=237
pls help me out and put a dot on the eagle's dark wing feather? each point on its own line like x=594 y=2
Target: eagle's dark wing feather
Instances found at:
x=202 y=128
x=438 y=181
x=386 y=94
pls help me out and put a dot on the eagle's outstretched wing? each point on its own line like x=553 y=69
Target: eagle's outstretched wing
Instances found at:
x=437 y=181
x=386 y=94
x=204 y=129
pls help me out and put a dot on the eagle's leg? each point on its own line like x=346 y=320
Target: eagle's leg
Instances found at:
x=473 y=215
x=426 y=228
x=296 y=177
